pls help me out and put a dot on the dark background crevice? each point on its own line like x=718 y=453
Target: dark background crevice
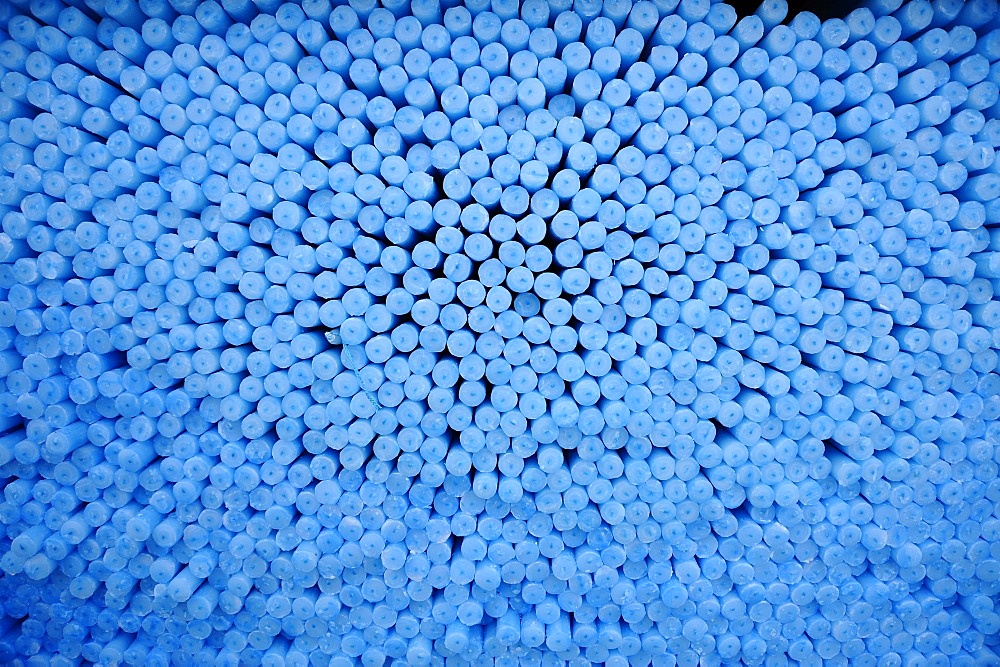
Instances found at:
x=824 y=9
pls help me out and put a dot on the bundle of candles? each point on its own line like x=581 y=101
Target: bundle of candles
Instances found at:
x=493 y=333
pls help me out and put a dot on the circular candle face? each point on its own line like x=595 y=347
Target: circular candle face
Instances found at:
x=499 y=332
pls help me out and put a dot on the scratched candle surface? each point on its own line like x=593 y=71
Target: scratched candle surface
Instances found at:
x=472 y=332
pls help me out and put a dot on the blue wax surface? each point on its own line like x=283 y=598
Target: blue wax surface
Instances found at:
x=499 y=332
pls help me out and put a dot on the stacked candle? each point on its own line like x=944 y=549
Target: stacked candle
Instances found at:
x=560 y=331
